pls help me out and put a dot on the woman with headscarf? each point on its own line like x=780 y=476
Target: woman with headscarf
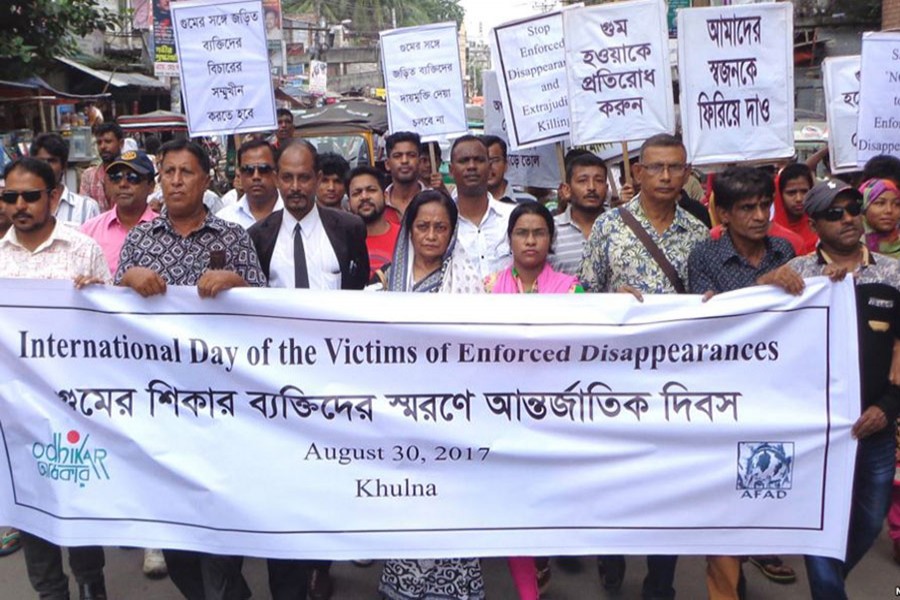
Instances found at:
x=881 y=214
x=427 y=259
x=791 y=186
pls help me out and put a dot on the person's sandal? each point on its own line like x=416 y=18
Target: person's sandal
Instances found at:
x=774 y=569
x=10 y=541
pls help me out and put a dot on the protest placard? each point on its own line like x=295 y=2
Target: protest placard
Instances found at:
x=736 y=70
x=530 y=58
x=619 y=78
x=423 y=78
x=165 y=60
x=293 y=423
x=224 y=65
x=878 y=128
x=840 y=76
x=537 y=166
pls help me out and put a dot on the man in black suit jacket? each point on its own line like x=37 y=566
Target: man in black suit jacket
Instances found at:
x=333 y=242
x=314 y=247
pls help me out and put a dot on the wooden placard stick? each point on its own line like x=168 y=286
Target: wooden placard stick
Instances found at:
x=626 y=163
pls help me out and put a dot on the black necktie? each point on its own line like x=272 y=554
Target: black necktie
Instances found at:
x=301 y=276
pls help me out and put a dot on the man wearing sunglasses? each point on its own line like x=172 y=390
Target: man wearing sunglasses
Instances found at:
x=256 y=169
x=38 y=247
x=835 y=211
x=129 y=182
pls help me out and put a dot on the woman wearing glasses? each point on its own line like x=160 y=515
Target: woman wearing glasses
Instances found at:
x=427 y=260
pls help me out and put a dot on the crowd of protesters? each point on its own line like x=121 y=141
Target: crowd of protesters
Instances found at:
x=300 y=219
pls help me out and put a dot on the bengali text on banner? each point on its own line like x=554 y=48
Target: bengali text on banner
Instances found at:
x=293 y=423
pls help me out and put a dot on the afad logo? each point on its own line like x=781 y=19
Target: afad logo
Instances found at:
x=765 y=469
x=70 y=459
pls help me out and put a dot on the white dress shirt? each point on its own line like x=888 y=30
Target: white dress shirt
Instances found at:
x=240 y=213
x=486 y=242
x=321 y=261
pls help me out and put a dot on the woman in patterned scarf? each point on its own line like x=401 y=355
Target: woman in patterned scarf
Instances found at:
x=427 y=259
x=881 y=213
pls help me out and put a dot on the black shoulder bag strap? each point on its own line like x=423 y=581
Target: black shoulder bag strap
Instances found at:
x=654 y=250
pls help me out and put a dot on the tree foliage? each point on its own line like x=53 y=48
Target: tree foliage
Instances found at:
x=371 y=16
x=33 y=32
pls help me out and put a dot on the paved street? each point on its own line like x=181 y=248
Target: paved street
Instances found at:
x=875 y=578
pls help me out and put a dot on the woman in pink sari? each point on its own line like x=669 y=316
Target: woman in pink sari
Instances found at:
x=530 y=233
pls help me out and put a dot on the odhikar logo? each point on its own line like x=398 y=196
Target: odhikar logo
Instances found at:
x=70 y=459
x=765 y=469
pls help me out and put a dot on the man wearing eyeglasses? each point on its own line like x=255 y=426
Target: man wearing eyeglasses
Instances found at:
x=617 y=260
x=256 y=168
x=129 y=182
x=37 y=246
x=835 y=211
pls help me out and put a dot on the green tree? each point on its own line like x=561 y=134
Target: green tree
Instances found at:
x=33 y=32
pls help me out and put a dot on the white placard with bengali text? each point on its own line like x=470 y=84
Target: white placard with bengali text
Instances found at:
x=423 y=79
x=736 y=70
x=336 y=425
x=618 y=71
x=537 y=166
x=529 y=56
x=878 y=129
x=224 y=63
x=840 y=77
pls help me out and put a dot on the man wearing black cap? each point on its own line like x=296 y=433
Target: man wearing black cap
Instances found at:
x=129 y=181
x=834 y=209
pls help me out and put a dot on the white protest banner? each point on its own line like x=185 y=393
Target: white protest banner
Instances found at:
x=536 y=166
x=530 y=56
x=878 y=129
x=224 y=64
x=285 y=423
x=840 y=77
x=423 y=78
x=619 y=78
x=735 y=65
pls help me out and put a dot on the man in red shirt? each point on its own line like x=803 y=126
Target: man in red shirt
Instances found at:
x=110 y=139
x=365 y=190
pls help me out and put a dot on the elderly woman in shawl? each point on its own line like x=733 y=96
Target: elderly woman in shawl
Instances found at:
x=881 y=214
x=426 y=259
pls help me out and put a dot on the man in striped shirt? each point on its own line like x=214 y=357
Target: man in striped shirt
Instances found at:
x=586 y=188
